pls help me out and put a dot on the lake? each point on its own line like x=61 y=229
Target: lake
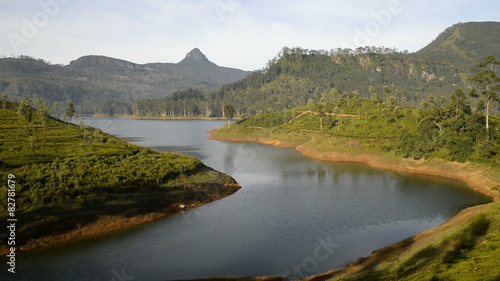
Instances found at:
x=293 y=216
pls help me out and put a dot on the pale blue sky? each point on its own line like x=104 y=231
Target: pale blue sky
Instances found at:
x=235 y=33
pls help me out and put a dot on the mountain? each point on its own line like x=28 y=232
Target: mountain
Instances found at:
x=467 y=42
x=297 y=76
x=195 y=56
x=93 y=83
x=196 y=64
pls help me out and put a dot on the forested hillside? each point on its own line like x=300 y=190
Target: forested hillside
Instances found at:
x=449 y=129
x=465 y=42
x=103 y=85
x=387 y=133
x=296 y=76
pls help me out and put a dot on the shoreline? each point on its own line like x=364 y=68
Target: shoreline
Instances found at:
x=470 y=174
x=162 y=117
x=145 y=208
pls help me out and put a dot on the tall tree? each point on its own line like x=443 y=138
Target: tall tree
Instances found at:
x=387 y=93
x=56 y=109
x=70 y=110
x=42 y=111
x=25 y=112
x=25 y=118
x=4 y=101
x=229 y=113
x=321 y=116
x=489 y=85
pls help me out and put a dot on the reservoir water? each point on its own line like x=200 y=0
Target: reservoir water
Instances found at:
x=293 y=216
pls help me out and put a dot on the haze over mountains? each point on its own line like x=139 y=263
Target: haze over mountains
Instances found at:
x=293 y=78
x=91 y=81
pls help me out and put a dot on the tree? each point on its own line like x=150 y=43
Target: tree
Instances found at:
x=56 y=109
x=459 y=102
x=489 y=85
x=70 y=110
x=25 y=112
x=387 y=93
x=321 y=116
x=4 y=101
x=229 y=113
x=25 y=118
x=42 y=111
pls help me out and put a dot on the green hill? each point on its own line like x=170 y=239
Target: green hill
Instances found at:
x=76 y=176
x=297 y=76
x=466 y=42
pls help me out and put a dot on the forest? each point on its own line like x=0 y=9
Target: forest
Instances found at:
x=459 y=128
x=297 y=77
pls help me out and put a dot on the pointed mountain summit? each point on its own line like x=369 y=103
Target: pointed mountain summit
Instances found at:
x=194 y=56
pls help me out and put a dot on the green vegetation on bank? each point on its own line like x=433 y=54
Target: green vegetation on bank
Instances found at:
x=455 y=129
x=55 y=162
x=76 y=181
x=447 y=129
x=469 y=251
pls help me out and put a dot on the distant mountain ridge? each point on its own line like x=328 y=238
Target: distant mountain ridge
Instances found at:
x=295 y=77
x=93 y=80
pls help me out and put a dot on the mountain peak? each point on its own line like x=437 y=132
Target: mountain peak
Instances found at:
x=195 y=54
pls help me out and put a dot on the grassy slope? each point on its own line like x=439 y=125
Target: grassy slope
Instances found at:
x=466 y=248
x=79 y=181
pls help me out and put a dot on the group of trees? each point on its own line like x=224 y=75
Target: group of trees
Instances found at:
x=462 y=133
x=189 y=102
x=33 y=124
x=296 y=77
x=458 y=128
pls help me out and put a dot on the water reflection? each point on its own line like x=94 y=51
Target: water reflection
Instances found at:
x=273 y=223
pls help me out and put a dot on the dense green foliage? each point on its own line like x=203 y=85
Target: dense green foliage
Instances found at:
x=464 y=43
x=450 y=131
x=73 y=177
x=56 y=162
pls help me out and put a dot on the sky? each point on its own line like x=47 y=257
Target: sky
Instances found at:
x=241 y=34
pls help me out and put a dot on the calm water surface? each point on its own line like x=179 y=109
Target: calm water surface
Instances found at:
x=294 y=216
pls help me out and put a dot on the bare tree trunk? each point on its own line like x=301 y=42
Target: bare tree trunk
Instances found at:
x=488 y=104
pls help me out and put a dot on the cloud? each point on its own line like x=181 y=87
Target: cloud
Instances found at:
x=236 y=33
